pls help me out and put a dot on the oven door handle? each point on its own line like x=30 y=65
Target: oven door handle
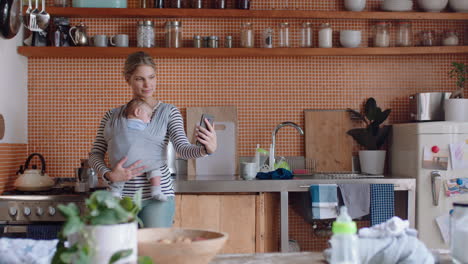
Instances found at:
x=15 y=229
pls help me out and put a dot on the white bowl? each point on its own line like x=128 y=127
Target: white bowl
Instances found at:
x=433 y=5
x=355 y=5
x=350 y=38
x=397 y=5
x=459 y=5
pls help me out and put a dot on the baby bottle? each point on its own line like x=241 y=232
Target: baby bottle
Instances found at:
x=344 y=241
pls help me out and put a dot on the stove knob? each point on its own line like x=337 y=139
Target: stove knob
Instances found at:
x=12 y=211
x=26 y=211
x=39 y=211
x=51 y=210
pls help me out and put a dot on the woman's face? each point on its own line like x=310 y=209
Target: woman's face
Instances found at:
x=143 y=82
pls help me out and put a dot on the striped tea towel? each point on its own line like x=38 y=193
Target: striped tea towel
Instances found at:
x=382 y=203
x=324 y=200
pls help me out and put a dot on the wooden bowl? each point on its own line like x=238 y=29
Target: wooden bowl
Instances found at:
x=153 y=242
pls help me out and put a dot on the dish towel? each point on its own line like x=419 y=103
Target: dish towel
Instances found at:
x=382 y=203
x=356 y=197
x=324 y=201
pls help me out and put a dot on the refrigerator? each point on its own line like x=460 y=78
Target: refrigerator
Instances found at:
x=430 y=153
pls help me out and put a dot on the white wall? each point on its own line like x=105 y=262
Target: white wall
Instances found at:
x=13 y=90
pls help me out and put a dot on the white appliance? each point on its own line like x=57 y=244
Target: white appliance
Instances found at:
x=407 y=151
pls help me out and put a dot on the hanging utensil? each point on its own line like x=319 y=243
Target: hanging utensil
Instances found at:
x=9 y=18
x=43 y=17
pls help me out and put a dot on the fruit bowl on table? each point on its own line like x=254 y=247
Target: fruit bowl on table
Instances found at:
x=180 y=245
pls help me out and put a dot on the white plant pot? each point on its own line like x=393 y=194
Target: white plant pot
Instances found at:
x=372 y=161
x=456 y=110
x=106 y=240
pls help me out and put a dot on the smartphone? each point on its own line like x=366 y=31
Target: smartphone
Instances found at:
x=203 y=124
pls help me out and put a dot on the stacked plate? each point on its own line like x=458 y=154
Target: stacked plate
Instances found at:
x=397 y=5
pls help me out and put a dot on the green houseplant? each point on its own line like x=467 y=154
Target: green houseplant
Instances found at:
x=91 y=235
x=456 y=107
x=371 y=137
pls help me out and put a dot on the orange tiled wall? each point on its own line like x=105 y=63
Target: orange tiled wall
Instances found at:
x=68 y=96
x=11 y=157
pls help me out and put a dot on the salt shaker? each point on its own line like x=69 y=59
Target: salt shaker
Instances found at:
x=325 y=36
x=145 y=34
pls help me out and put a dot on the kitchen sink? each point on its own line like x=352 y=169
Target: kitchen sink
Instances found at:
x=335 y=175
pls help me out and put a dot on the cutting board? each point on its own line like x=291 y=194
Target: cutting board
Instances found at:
x=326 y=139
x=226 y=132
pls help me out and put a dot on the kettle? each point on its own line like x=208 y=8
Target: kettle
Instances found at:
x=78 y=35
x=33 y=179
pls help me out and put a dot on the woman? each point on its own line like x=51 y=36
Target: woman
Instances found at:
x=140 y=74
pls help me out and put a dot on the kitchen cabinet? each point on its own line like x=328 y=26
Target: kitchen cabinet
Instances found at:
x=248 y=218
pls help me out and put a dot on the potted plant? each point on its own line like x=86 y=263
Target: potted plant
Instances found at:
x=456 y=108
x=105 y=233
x=371 y=137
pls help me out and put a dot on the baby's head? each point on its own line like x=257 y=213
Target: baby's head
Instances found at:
x=138 y=109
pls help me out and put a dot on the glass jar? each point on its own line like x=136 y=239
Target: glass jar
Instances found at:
x=158 y=3
x=459 y=232
x=213 y=42
x=62 y=3
x=325 y=36
x=404 y=36
x=173 y=34
x=220 y=4
x=197 y=41
x=284 y=35
x=268 y=38
x=178 y=3
x=243 y=4
x=450 y=38
x=427 y=38
x=382 y=34
x=145 y=34
x=247 y=35
x=197 y=3
x=228 y=42
x=306 y=35
x=143 y=4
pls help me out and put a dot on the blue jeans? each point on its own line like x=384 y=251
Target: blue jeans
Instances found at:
x=155 y=213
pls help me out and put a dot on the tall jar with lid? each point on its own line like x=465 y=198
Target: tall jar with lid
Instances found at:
x=173 y=34
x=145 y=34
x=404 y=36
x=325 y=36
x=284 y=35
x=382 y=34
x=247 y=35
x=306 y=35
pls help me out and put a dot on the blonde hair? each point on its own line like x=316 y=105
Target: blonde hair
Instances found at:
x=136 y=59
x=133 y=105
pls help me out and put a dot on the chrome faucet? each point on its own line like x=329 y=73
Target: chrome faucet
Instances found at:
x=273 y=139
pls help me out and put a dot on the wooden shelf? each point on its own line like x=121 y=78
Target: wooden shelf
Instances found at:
x=113 y=52
x=237 y=13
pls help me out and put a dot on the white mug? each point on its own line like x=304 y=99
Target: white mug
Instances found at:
x=120 y=40
x=248 y=170
x=355 y=5
x=100 y=40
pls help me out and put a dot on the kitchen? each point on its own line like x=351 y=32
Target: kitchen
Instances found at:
x=40 y=91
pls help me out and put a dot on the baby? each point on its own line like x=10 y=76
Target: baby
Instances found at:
x=138 y=115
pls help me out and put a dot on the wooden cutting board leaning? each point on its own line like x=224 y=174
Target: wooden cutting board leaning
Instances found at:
x=225 y=160
x=326 y=140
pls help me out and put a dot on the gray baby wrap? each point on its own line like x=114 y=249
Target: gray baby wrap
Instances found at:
x=146 y=145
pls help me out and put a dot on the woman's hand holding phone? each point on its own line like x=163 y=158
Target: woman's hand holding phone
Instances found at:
x=206 y=135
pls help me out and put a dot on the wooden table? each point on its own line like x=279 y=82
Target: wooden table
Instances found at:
x=271 y=258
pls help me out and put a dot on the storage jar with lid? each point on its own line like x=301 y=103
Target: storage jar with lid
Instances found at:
x=173 y=34
x=382 y=34
x=247 y=35
x=268 y=38
x=325 y=36
x=284 y=35
x=306 y=35
x=145 y=34
x=404 y=37
x=197 y=41
x=228 y=42
x=450 y=38
x=427 y=38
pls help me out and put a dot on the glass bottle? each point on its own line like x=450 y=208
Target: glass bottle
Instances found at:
x=427 y=38
x=381 y=34
x=177 y=3
x=267 y=38
x=220 y=4
x=173 y=34
x=197 y=3
x=145 y=34
x=158 y=3
x=306 y=35
x=450 y=38
x=404 y=37
x=459 y=232
x=325 y=36
x=247 y=35
x=243 y=4
x=284 y=35
x=143 y=4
